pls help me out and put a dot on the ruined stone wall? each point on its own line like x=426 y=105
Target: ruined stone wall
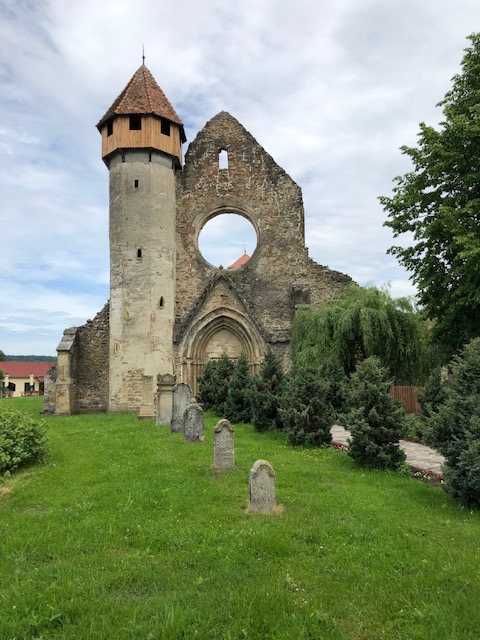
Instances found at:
x=90 y=372
x=280 y=274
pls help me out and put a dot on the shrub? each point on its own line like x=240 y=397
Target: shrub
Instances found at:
x=308 y=415
x=208 y=385
x=237 y=405
x=454 y=429
x=267 y=394
x=376 y=421
x=22 y=440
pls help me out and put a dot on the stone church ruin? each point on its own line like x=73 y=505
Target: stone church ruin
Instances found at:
x=170 y=311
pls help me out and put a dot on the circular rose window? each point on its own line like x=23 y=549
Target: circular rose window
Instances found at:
x=228 y=240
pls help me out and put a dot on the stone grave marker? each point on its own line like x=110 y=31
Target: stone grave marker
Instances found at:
x=193 y=425
x=182 y=395
x=165 y=384
x=262 y=487
x=223 y=449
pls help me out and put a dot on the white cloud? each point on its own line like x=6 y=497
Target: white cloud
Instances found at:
x=331 y=90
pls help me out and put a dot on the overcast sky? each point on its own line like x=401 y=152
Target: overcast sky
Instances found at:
x=330 y=89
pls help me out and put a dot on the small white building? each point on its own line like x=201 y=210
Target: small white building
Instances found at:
x=24 y=378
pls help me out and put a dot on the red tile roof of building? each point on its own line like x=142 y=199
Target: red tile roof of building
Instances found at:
x=142 y=96
x=24 y=369
x=242 y=260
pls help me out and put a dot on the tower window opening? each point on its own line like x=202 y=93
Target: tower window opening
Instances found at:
x=139 y=254
x=160 y=303
x=135 y=184
x=223 y=159
x=110 y=127
x=135 y=123
x=164 y=127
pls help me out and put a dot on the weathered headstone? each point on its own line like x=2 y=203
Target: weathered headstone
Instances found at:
x=223 y=450
x=193 y=425
x=262 y=487
x=147 y=408
x=165 y=384
x=182 y=395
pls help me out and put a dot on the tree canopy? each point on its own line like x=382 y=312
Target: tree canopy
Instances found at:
x=438 y=205
x=363 y=322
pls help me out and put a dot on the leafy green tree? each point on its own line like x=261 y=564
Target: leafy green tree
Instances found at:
x=363 y=322
x=376 y=421
x=308 y=415
x=208 y=385
x=267 y=394
x=454 y=429
x=2 y=356
x=238 y=402
x=438 y=205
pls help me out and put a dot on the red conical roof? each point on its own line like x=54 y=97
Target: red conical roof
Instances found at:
x=143 y=96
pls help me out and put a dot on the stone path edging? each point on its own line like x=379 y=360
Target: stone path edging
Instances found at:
x=418 y=455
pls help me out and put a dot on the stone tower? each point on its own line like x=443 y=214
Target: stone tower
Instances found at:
x=142 y=140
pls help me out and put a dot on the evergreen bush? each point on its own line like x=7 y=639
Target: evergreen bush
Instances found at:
x=238 y=402
x=223 y=373
x=376 y=421
x=267 y=394
x=22 y=440
x=454 y=428
x=208 y=385
x=308 y=414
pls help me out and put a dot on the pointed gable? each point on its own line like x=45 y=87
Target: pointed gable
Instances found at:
x=142 y=96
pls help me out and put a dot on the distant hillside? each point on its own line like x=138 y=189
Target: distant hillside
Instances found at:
x=30 y=358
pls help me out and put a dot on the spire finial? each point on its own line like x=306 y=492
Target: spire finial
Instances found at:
x=143 y=54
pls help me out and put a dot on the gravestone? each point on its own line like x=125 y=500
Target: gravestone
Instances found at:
x=193 y=425
x=223 y=450
x=165 y=384
x=147 y=408
x=182 y=395
x=262 y=487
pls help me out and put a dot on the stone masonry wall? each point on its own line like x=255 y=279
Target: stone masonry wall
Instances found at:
x=257 y=188
x=91 y=365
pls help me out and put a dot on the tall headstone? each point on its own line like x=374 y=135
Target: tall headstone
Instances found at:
x=223 y=447
x=165 y=384
x=147 y=408
x=193 y=424
x=182 y=395
x=262 y=487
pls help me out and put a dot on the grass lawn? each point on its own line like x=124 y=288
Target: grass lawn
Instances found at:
x=128 y=533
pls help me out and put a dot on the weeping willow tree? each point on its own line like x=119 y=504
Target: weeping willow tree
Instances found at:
x=364 y=322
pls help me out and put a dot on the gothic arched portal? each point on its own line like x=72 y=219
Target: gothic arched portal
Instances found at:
x=222 y=330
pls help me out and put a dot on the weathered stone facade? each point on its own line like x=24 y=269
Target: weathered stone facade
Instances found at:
x=170 y=310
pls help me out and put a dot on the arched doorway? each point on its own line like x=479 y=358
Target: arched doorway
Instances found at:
x=222 y=330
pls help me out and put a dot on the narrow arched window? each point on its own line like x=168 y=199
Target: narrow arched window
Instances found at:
x=223 y=159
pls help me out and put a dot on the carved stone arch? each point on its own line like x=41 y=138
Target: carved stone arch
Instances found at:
x=220 y=330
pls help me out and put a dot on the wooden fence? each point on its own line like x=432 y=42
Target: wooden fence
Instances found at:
x=408 y=397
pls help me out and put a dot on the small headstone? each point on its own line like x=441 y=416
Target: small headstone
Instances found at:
x=223 y=450
x=262 y=487
x=193 y=425
x=165 y=384
x=182 y=395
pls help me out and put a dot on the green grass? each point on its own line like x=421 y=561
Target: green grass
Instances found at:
x=128 y=533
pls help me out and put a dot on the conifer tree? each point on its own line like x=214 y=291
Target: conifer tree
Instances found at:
x=267 y=394
x=223 y=373
x=237 y=405
x=308 y=414
x=454 y=429
x=208 y=385
x=376 y=421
